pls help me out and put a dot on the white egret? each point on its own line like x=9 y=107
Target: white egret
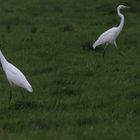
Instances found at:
x=109 y=36
x=14 y=75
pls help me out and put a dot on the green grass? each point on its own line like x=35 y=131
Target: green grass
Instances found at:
x=77 y=95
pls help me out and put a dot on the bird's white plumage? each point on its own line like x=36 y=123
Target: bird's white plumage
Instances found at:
x=14 y=75
x=109 y=36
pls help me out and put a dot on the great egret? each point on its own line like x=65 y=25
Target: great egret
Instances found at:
x=109 y=36
x=14 y=75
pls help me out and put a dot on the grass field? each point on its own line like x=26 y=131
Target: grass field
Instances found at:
x=77 y=95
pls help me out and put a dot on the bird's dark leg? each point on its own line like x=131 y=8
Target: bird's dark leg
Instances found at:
x=10 y=97
x=120 y=53
x=104 y=50
x=22 y=93
x=103 y=53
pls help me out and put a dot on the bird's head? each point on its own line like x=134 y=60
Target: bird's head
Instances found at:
x=123 y=7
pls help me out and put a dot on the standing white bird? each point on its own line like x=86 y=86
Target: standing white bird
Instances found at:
x=14 y=75
x=109 y=36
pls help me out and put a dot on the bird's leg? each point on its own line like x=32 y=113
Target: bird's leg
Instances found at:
x=104 y=50
x=118 y=49
x=115 y=44
x=10 y=97
x=22 y=94
x=103 y=53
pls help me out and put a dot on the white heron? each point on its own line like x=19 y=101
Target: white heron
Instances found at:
x=109 y=36
x=14 y=75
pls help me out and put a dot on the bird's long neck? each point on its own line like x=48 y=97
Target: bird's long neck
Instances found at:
x=122 y=20
x=2 y=58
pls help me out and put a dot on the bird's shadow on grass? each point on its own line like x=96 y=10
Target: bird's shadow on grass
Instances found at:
x=25 y=104
x=20 y=106
x=88 y=46
x=99 y=50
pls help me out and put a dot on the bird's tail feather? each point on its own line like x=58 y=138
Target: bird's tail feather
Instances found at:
x=94 y=45
x=29 y=88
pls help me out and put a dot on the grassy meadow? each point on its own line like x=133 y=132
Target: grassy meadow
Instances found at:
x=78 y=94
